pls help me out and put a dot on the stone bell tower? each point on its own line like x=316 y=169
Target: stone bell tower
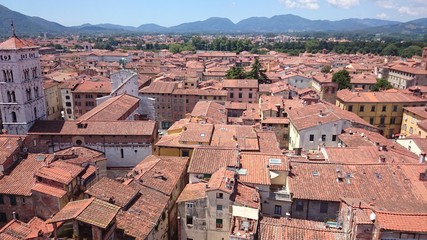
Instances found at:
x=22 y=99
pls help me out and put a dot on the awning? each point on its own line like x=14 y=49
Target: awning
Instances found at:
x=245 y=212
x=273 y=174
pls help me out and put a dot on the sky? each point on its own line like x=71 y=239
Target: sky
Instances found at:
x=173 y=12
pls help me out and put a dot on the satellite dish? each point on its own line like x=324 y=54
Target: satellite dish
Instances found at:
x=372 y=216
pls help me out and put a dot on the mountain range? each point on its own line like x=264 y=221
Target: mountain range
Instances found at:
x=26 y=25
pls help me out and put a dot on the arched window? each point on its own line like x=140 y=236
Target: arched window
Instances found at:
x=9 y=97
x=35 y=113
x=13 y=96
x=14 y=118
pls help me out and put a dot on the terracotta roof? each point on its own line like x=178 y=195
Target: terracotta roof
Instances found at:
x=309 y=116
x=17 y=230
x=268 y=142
x=49 y=190
x=418 y=71
x=348 y=96
x=257 y=170
x=15 y=43
x=419 y=111
x=389 y=185
x=196 y=132
x=113 y=109
x=99 y=213
x=60 y=171
x=193 y=191
x=129 y=128
x=112 y=191
x=71 y=210
x=229 y=135
x=240 y=83
x=159 y=87
x=80 y=155
x=246 y=196
x=296 y=229
x=140 y=219
x=21 y=179
x=212 y=111
x=209 y=160
x=223 y=180
x=161 y=173
x=403 y=222
x=90 y=86
x=8 y=145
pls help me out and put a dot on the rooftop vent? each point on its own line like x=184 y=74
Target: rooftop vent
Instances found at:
x=275 y=161
x=316 y=173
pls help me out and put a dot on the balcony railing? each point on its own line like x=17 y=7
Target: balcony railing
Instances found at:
x=281 y=195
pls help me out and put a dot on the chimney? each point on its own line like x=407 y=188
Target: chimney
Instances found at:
x=422 y=158
x=321 y=113
x=14 y=215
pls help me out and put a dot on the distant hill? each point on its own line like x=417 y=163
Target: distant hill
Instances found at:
x=26 y=25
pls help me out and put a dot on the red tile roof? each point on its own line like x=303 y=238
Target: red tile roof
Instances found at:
x=122 y=128
x=389 y=185
x=49 y=190
x=209 y=160
x=161 y=173
x=296 y=229
x=15 y=43
x=257 y=170
x=240 y=83
x=223 y=180
x=60 y=171
x=113 y=109
x=99 y=213
x=8 y=145
x=348 y=96
x=21 y=179
x=403 y=222
x=17 y=230
x=112 y=191
x=193 y=191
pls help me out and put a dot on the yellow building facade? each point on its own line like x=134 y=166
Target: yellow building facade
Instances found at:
x=414 y=122
x=381 y=109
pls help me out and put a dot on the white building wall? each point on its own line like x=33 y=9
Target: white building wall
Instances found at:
x=327 y=129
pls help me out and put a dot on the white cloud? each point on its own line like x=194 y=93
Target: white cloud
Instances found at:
x=382 y=16
x=343 y=3
x=405 y=7
x=308 y=4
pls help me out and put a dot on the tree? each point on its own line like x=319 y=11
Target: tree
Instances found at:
x=326 y=69
x=390 y=50
x=342 y=77
x=411 y=51
x=257 y=72
x=235 y=73
x=382 y=84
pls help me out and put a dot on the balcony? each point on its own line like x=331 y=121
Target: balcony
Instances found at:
x=280 y=195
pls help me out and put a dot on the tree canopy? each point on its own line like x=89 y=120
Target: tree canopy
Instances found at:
x=382 y=84
x=343 y=78
x=235 y=73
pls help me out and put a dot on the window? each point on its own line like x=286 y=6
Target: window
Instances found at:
x=323 y=137
x=189 y=220
x=323 y=207
x=69 y=111
x=68 y=104
x=382 y=120
x=189 y=205
x=300 y=206
x=122 y=152
x=67 y=97
x=384 y=108
x=219 y=207
x=12 y=200
x=311 y=137
x=394 y=108
x=3 y=217
x=334 y=138
x=371 y=120
x=218 y=223
x=361 y=108
x=1 y=199
x=372 y=108
x=77 y=95
x=14 y=118
x=240 y=95
x=392 y=120
x=278 y=210
x=231 y=95
x=350 y=108
x=250 y=95
x=185 y=153
x=219 y=195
